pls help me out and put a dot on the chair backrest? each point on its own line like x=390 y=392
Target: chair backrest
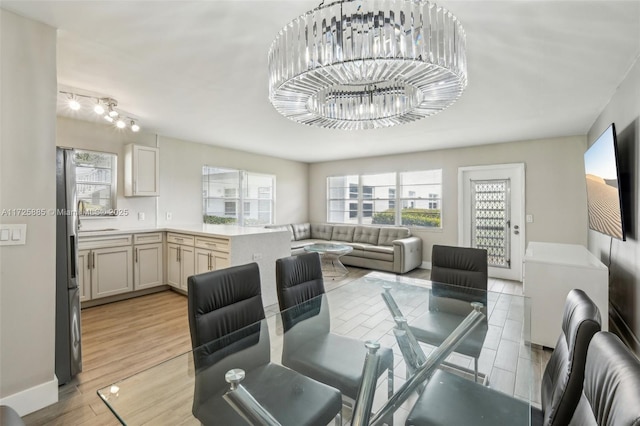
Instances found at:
x=465 y=269
x=564 y=374
x=460 y=266
x=298 y=279
x=611 y=392
x=223 y=301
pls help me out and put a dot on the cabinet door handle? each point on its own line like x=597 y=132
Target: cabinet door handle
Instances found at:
x=89 y=260
x=136 y=256
x=93 y=260
x=209 y=260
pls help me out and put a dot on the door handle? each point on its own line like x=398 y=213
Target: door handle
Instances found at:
x=136 y=256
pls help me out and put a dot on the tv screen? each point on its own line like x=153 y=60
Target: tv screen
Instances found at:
x=604 y=200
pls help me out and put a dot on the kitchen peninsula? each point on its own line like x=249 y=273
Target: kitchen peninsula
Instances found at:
x=115 y=264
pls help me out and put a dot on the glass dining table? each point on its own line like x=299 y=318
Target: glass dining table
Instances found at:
x=379 y=308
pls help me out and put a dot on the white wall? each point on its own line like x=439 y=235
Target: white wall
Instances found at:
x=181 y=180
x=624 y=276
x=27 y=180
x=555 y=185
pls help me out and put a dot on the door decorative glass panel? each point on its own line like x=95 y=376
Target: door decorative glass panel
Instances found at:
x=491 y=220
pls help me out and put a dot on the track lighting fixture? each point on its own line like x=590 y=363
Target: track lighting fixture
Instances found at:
x=98 y=108
x=73 y=102
x=102 y=106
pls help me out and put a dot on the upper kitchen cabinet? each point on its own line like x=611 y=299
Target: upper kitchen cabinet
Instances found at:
x=141 y=171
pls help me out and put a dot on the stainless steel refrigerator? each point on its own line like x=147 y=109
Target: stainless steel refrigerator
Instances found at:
x=68 y=328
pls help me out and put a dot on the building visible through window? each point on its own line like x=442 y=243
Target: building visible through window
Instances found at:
x=237 y=196
x=406 y=198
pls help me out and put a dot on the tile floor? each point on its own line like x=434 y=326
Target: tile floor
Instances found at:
x=510 y=366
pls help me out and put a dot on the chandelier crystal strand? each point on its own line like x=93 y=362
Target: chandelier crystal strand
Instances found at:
x=368 y=64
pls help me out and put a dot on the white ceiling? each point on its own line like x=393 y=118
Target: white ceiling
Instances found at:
x=197 y=70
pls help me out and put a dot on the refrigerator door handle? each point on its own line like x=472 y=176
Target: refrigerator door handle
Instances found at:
x=73 y=256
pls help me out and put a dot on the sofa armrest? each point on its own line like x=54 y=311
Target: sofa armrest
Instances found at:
x=407 y=254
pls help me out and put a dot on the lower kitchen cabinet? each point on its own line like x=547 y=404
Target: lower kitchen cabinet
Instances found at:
x=210 y=260
x=105 y=272
x=147 y=266
x=180 y=265
x=84 y=275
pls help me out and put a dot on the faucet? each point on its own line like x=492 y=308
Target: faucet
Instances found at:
x=80 y=210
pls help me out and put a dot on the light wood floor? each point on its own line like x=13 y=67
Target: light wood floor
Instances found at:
x=118 y=340
x=122 y=338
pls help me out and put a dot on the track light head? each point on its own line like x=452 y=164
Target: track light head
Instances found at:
x=73 y=103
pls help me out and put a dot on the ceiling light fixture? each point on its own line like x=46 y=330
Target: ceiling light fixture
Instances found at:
x=102 y=106
x=73 y=102
x=98 y=108
x=368 y=64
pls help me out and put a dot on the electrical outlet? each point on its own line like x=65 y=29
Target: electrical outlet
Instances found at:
x=140 y=215
x=529 y=218
x=257 y=256
x=169 y=215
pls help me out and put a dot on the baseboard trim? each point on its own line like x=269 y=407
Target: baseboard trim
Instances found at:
x=425 y=265
x=33 y=399
x=622 y=330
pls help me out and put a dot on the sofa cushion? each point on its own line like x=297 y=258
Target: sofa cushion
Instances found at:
x=321 y=231
x=342 y=233
x=389 y=234
x=366 y=234
x=379 y=253
x=301 y=231
x=282 y=228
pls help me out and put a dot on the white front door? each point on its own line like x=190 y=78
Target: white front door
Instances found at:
x=491 y=215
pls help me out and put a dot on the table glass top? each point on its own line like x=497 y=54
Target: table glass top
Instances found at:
x=329 y=248
x=188 y=389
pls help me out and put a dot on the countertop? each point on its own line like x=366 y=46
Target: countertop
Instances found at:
x=192 y=229
x=562 y=254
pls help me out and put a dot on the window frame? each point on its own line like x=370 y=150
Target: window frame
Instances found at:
x=240 y=197
x=366 y=200
x=105 y=211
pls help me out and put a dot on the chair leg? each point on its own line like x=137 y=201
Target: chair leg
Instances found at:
x=338 y=419
x=390 y=382
x=475 y=372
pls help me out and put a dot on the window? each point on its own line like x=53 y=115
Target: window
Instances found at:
x=407 y=198
x=96 y=184
x=237 y=196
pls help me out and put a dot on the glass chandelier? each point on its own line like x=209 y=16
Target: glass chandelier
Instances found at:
x=368 y=63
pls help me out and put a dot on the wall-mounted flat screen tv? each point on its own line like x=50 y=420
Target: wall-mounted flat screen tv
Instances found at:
x=604 y=197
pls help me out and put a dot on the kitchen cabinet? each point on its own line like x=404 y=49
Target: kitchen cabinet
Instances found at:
x=105 y=266
x=180 y=259
x=147 y=260
x=84 y=275
x=141 y=171
x=211 y=254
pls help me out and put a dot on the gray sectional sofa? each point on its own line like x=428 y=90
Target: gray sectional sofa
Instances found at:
x=385 y=248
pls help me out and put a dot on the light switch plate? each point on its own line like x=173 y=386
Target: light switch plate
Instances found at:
x=13 y=234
